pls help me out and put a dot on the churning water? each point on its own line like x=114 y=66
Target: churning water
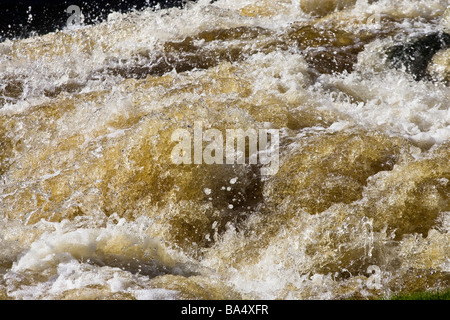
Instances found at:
x=93 y=207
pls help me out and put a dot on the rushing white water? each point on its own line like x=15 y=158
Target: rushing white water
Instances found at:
x=92 y=207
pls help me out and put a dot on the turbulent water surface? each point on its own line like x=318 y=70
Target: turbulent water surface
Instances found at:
x=92 y=207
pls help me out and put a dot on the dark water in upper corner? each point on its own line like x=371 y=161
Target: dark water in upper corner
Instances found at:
x=22 y=18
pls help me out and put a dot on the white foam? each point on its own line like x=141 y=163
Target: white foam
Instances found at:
x=395 y=104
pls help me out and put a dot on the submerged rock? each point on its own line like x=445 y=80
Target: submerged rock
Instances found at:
x=416 y=55
x=439 y=68
x=321 y=8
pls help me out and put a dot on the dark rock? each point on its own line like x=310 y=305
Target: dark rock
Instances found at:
x=415 y=55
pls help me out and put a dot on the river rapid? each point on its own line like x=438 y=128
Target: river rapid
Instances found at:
x=92 y=205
